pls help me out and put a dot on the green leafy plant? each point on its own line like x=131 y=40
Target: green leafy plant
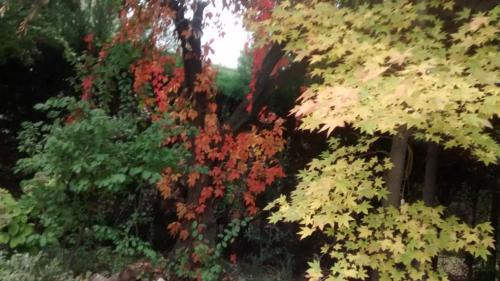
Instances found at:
x=14 y=226
x=93 y=177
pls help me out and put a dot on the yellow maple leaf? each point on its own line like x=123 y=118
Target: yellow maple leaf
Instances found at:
x=477 y=22
x=364 y=232
x=305 y=108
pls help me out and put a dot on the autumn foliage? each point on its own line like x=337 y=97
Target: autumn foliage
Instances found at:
x=223 y=166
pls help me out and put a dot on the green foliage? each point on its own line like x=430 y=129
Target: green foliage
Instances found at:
x=97 y=152
x=23 y=24
x=11 y=45
x=14 y=226
x=231 y=83
x=93 y=178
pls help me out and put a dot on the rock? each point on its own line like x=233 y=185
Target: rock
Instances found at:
x=98 y=277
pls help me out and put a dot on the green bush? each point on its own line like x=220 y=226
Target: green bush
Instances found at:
x=91 y=179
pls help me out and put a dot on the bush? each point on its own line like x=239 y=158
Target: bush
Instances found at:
x=26 y=267
x=91 y=180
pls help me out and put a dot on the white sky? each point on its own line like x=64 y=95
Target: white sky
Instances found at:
x=228 y=48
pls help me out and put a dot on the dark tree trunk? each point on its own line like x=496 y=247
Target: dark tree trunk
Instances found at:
x=395 y=176
x=430 y=182
x=189 y=33
x=264 y=85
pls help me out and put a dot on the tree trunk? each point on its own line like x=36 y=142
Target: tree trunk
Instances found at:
x=193 y=66
x=430 y=182
x=396 y=175
x=264 y=84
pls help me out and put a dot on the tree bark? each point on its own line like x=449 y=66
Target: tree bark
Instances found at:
x=189 y=32
x=396 y=175
x=264 y=84
x=430 y=182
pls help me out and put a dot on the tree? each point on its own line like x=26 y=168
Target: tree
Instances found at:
x=134 y=76
x=390 y=68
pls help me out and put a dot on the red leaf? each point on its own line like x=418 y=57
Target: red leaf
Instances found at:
x=87 y=87
x=248 y=199
x=256 y=186
x=219 y=192
x=200 y=209
x=274 y=172
x=205 y=194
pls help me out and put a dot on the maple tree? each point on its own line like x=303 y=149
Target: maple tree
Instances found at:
x=390 y=68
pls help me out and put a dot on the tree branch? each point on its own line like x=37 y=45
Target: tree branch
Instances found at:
x=263 y=87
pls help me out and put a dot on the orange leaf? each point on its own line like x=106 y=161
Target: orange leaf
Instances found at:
x=205 y=194
x=190 y=215
x=164 y=187
x=192 y=179
x=173 y=228
x=181 y=210
x=184 y=234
